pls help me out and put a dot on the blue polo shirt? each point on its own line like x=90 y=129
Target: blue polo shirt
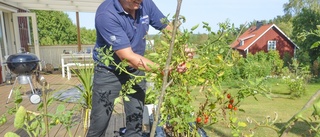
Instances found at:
x=118 y=29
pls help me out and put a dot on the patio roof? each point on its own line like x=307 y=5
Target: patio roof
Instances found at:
x=56 y=5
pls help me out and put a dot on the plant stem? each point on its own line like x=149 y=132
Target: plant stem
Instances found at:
x=45 y=111
x=86 y=121
x=284 y=130
x=165 y=78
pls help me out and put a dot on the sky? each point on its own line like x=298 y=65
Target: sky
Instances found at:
x=210 y=11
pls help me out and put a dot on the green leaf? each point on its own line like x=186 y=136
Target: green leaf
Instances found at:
x=242 y=124
x=174 y=101
x=315 y=45
x=11 y=134
x=212 y=106
x=60 y=109
x=126 y=98
x=188 y=65
x=131 y=91
x=201 y=71
x=201 y=80
x=20 y=117
x=194 y=27
x=205 y=23
x=3 y=120
x=220 y=74
x=117 y=100
x=233 y=120
x=164 y=43
x=242 y=110
x=316 y=107
x=107 y=62
x=34 y=125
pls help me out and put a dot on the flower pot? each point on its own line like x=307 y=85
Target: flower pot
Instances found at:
x=151 y=108
x=147 y=120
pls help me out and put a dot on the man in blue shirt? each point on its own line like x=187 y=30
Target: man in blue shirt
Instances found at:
x=122 y=24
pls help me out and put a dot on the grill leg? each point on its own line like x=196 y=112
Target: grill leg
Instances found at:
x=32 y=89
x=15 y=81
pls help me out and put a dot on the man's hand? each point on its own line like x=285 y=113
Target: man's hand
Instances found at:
x=135 y=60
x=189 y=51
x=182 y=68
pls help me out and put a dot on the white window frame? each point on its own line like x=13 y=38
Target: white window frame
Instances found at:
x=272 y=45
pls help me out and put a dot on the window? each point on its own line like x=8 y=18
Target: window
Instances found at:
x=272 y=45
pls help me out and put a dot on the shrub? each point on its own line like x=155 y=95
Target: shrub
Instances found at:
x=296 y=87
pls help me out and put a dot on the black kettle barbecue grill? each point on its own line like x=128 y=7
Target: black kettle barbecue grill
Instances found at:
x=23 y=65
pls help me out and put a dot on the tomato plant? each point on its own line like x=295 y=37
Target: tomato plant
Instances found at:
x=205 y=66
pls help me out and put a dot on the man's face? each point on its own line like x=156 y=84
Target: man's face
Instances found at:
x=133 y=4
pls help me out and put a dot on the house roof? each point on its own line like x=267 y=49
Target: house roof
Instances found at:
x=253 y=34
x=56 y=5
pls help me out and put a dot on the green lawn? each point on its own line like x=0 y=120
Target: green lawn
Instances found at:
x=280 y=103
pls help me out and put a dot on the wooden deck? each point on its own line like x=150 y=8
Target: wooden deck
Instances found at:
x=57 y=83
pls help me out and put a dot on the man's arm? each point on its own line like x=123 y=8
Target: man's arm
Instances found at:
x=135 y=60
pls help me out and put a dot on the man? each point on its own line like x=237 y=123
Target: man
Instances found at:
x=122 y=24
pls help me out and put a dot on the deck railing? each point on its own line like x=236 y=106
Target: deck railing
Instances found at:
x=52 y=54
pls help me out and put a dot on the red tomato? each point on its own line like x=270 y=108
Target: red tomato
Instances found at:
x=231 y=101
x=235 y=108
x=205 y=116
x=228 y=95
x=198 y=119
x=230 y=106
x=206 y=121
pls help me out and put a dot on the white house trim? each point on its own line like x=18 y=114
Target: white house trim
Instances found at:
x=273 y=25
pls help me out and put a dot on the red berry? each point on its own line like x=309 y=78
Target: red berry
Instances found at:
x=206 y=121
x=231 y=101
x=228 y=95
x=205 y=116
x=198 y=119
x=230 y=106
x=235 y=108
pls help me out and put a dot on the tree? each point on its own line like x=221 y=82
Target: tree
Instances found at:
x=55 y=28
x=294 y=7
x=304 y=22
x=88 y=36
x=284 y=23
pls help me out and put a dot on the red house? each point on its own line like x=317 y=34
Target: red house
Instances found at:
x=264 y=38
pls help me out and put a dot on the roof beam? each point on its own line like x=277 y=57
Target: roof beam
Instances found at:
x=80 y=8
x=56 y=5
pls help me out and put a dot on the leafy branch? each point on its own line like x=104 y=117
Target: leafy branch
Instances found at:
x=106 y=56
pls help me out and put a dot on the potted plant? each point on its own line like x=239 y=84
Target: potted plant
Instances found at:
x=85 y=76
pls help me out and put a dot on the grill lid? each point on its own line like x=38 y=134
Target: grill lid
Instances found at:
x=24 y=57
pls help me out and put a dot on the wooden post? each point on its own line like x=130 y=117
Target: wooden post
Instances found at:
x=78 y=31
